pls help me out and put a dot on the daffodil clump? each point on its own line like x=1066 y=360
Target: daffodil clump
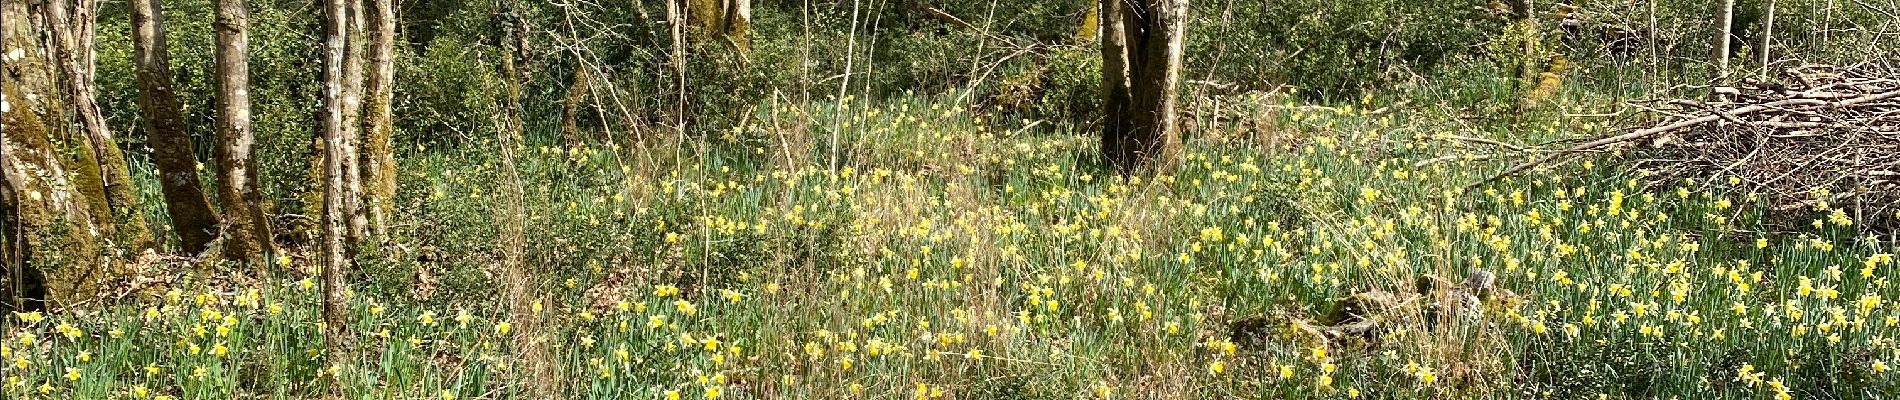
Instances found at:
x=951 y=256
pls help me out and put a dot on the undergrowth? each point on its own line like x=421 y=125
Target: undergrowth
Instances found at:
x=952 y=256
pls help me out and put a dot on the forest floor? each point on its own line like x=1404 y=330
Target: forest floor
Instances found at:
x=1314 y=252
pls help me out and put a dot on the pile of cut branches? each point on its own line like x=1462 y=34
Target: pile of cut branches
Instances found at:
x=1816 y=133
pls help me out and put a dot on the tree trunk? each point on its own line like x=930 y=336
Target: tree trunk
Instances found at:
x=379 y=158
x=352 y=124
x=35 y=67
x=738 y=22
x=50 y=217
x=1091 y=26
x=520 y=294
x=56 y=195
x=247 y=235
x=71 y=34
x=1115 y=96
x=1527 y=62
x=1767 y=38
x=191 y=213
x=1142 y=44
x=1649 y=38
x=676 y=53
x=570 y=113
x=335 y=217
x=1724 y=23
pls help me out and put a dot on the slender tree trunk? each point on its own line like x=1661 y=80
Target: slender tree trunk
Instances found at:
x=352 y=124
x=85 y=30
x=191 y=213
x=247 y=235
x=570 y=113
x=1827 y=22
x=1142 y=45
x=1724 y=23
x=520 y=294
x=335 y=220
x=1115 y=96
x=71 y=35
x=1649 y=37
x=1767 y=38
x=676 y=29
x=1527 y=62
x=379 y=158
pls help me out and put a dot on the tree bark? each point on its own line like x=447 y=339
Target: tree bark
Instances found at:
x=738 y=22
x=51 y=218
x=191 y=213
x=1527 y=62
x=71 y=34
x=352 y=123
x=676 y=53
x=1142 y=45
x=1767 y=38
x=1724 y=24
x=379 y=158
x=570 y=115
x=40 y=198
x=247 y=235
x=1115 y=91
x=335 y=218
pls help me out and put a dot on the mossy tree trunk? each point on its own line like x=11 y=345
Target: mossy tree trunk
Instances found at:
x=191 y=213
x=57 y=240
x=577 y=89
x=379 y=158
x=246 y=233
x=71 y=27
x=54 y=250
x=738 y=22
x=726 y=19
x=1142 y=45
x=56 y=196
x=32 y=66
x=1527 y=57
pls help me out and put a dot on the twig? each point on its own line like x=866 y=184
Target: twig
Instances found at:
x=1454 y=157
x=1513 y=147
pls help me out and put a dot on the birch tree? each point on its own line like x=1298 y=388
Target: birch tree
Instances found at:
x=1724 y=24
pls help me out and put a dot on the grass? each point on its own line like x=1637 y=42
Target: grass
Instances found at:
x=956 y=257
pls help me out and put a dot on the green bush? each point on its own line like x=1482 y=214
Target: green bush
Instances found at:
x=1330 y=47
x=1072 y=86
